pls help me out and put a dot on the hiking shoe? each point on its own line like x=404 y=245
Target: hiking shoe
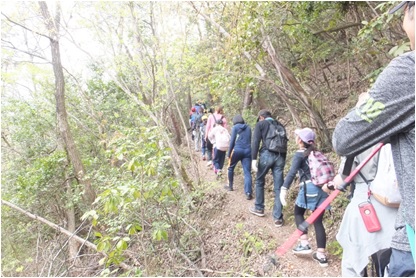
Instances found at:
x=278 y=222
x=258 y=212
x=226 y=187
x=249 y=196
x=323 y=262
x=300 y=249
x=203 y=157
x=209 y=163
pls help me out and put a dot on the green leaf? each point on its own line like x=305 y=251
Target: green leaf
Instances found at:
x=98 y=234
x=102 y=261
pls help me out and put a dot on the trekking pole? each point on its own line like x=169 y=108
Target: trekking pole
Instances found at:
x=304 y=225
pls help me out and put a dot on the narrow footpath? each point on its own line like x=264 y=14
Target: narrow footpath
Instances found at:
x=238 y=243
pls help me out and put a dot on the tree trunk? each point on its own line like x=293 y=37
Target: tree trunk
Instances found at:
x=248 y=98
x=73 y=245
x=65 y=131
x=300 y=94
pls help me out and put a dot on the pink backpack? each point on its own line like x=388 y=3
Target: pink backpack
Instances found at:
x=322 y=170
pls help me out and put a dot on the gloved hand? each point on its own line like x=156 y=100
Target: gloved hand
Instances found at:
x=283 y=192
x=254 y=166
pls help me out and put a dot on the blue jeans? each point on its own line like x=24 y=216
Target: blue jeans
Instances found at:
x=275 y=162
x=243 y=155
x=219 y=158
x=401 y=264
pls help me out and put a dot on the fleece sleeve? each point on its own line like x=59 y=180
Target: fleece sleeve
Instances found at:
x=232 y=140
x=256 y=141
x=389 y=110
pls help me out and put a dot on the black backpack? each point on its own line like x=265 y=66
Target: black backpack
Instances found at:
x=218 y=122
x=276 y=139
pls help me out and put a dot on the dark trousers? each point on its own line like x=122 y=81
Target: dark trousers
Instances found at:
x=203 y=145
x=243 y=155
x=209 y=150
x=219 y=158
x=401 y=264
x=319 y=226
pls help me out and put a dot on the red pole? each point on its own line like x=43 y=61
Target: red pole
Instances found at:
x=299 y=231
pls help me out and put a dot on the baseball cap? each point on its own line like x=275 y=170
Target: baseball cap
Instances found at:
x=305 y=134
x=399 y=6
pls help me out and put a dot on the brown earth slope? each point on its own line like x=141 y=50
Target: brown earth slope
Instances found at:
x=237 y=243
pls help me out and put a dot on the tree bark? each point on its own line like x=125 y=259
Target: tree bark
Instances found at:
x=52 y=26
x=248 y=98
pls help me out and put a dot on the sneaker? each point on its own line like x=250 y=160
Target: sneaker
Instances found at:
x=323 y=262
x=300 y=249
x=209 y=163
x=226 y=187
x=258 y=212
x=203 y=157
x=278 y=222
x=219 y=172
x=249 y=196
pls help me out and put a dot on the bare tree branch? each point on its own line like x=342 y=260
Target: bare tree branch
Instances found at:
x=24 y=27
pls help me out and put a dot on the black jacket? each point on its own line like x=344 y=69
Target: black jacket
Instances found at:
x=259 y=135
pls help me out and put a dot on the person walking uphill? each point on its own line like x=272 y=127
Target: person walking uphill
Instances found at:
x=212 y=119
x=388 y=112
x=240 y=150
x=220 y=138
x=274 y=160
x=357 y=243
x=309 y=197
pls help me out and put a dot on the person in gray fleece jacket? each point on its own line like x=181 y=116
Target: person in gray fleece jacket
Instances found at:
x=387 y=112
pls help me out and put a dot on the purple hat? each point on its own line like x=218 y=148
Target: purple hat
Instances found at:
x=305 y=134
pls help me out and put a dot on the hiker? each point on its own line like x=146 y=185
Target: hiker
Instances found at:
x=220 y=138
x=197 y=124
x=192 y=119
x=191 y=113
x=309 y=197
x=353 y=235
x=240 y=150
x=212 y=118
x=202 y=129
x=387 y=111
x=267 y=160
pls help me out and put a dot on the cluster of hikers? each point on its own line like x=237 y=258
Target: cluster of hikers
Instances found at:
x=372 y=225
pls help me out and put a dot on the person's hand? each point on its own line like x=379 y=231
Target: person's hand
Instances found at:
x=283 y=193
x=362 y=98
x=327 y=187
x=254 y=166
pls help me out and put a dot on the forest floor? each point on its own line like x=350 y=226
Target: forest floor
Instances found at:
x=238 y=243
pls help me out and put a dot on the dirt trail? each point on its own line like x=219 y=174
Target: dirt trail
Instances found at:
x=238 y=243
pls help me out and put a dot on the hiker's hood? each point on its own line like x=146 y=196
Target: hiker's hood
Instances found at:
x=238 y=120
x=241 y=127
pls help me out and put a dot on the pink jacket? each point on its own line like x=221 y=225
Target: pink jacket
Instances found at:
x=211 y=121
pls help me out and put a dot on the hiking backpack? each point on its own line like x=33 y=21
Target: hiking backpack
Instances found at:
x=198 y=121
x=276 y=139
x=218 y=122
x=322 y=170
x=384 y=187
x=222 y=138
